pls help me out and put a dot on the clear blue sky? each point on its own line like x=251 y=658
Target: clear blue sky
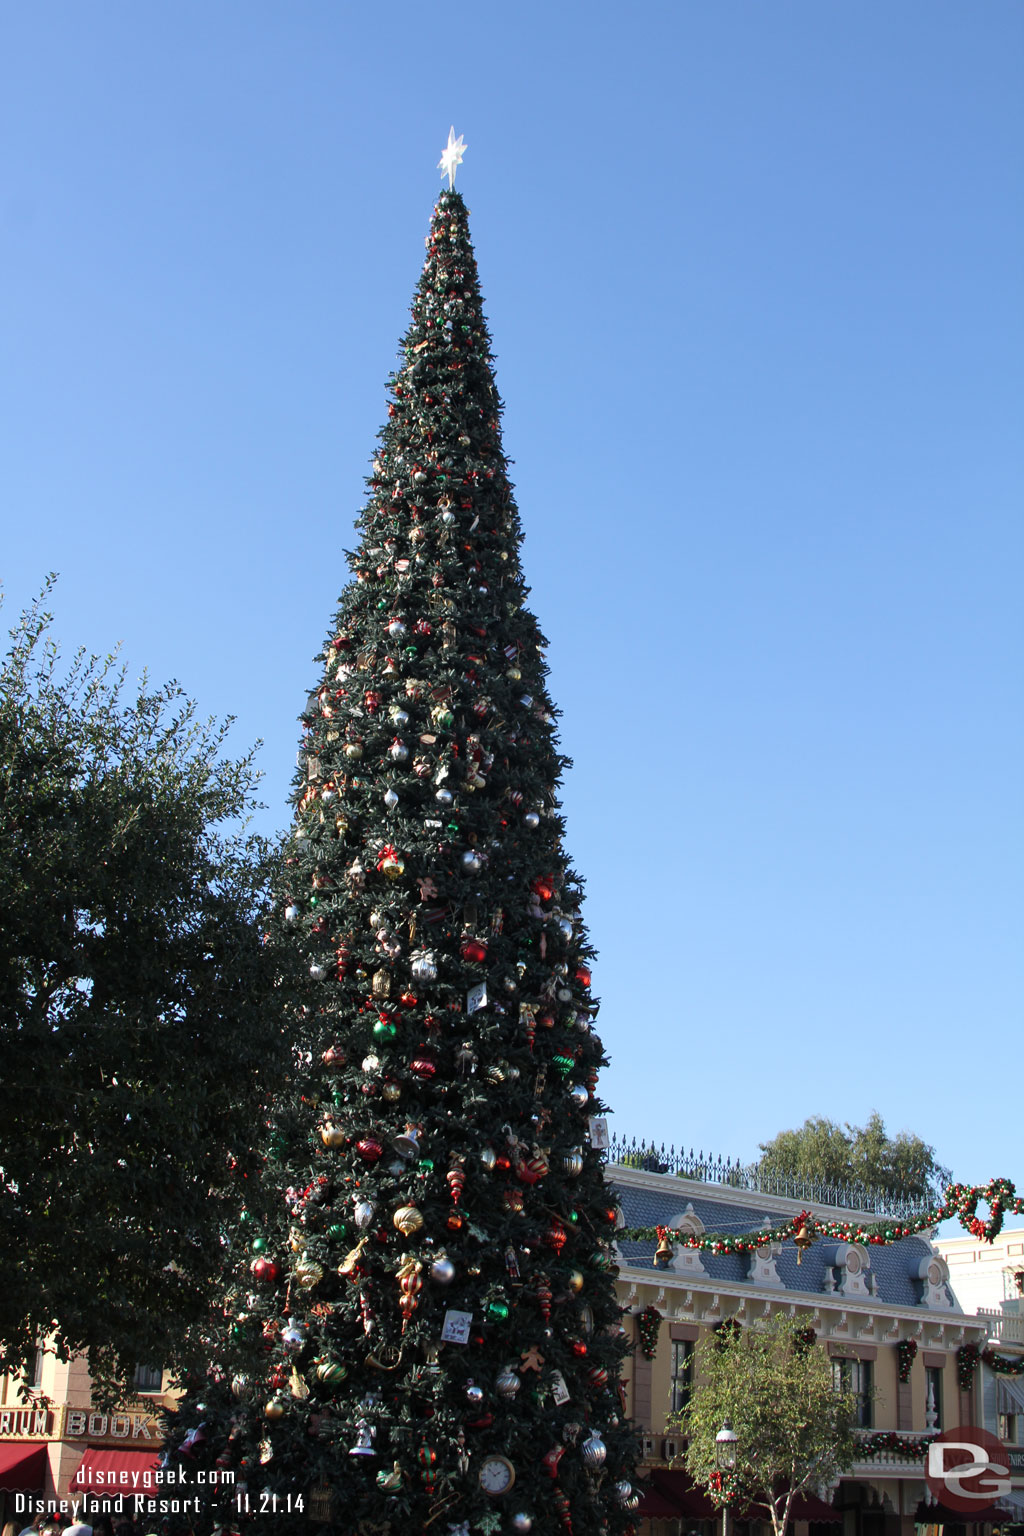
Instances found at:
x=753 y=273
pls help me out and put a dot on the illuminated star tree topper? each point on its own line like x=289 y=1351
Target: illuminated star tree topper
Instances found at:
x=451 y=157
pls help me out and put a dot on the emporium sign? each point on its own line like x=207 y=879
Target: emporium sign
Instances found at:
x=127 y=1428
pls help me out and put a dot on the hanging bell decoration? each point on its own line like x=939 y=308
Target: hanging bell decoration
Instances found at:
x=408 y=1143
x=364 y=1440
x=664 y=1251
x=802 y=1236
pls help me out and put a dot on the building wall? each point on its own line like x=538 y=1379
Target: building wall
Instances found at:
x=862 y=1311
x=70 y=1424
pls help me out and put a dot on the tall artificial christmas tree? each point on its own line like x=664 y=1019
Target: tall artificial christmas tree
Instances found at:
x=439 y=1339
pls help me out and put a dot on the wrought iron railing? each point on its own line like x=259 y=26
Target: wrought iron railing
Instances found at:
x=706 y=1169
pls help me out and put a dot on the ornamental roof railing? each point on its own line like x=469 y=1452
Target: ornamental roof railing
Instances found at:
x=706 y=1169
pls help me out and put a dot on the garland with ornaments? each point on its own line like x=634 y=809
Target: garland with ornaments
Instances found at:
x=649 y=1326
x=969 y=1355
x=906 y=1353
x=961 y=1201
x=888 y=1442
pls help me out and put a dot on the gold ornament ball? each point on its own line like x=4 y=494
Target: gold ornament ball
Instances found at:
x=576 y=1281
x=408 y=1220
x=274 y=1409
x=307 y=1273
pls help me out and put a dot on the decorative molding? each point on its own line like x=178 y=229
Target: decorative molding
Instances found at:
x=761 y=1268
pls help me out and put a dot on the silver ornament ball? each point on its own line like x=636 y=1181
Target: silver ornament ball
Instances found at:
x=522 y=1522
x=593 y=1450
x=507 y=1384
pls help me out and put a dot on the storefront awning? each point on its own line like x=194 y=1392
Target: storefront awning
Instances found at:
x=677 y=1489
x=938 y=1514
x=676 y=1494
x=807 y=1506
x=22 y=1467
x=654 y=1505
x=1009 y=1396
x=116 y=1472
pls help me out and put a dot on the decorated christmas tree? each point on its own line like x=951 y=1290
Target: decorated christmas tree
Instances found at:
x=429 y=1280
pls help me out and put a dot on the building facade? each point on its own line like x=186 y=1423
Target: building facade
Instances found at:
x=988 y=1280
x=891 y=1318
x=56 y=1444
x=863 y=1303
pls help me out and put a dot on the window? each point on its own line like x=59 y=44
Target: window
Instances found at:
x=855 y=1376
x=37 y=1368
x=682 y=1373
x=1008 y=1428
x=148 y=1378
x=933 y=1396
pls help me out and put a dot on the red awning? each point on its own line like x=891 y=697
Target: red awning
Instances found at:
x=806 y=1506
x=116 y=1472
x=676 y=1488
x=22 y=1467
x=654 y=1505
x=938 y=1514
x=679 y=1490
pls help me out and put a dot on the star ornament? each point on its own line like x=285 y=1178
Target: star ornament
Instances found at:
x=451 y=157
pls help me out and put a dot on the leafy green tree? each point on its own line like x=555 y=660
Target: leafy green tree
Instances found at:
x=793 y=1427
x=903 y=1165
x=429 y=1328
x=139 y=1028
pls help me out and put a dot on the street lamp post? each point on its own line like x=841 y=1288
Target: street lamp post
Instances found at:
x=725 y=1458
